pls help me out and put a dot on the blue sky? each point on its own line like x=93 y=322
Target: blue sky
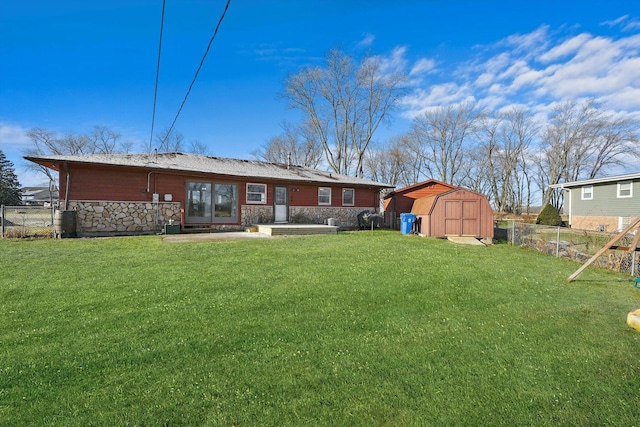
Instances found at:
x=67 y=65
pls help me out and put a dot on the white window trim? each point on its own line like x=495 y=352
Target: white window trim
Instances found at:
x=623 y=222
x=324 y=203
x=630 y=189
x=587 y=195
x=263 y=200
x=353 y=196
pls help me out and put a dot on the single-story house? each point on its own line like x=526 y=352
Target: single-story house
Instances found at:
x=603 y=204
x=39 y=196
x=457 y=212
x=137 y=193
x=401 y=200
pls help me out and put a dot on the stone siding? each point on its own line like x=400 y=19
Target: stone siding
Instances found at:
x=111 y=217
x=347 y=217
x=256 y=214
x=96 y=218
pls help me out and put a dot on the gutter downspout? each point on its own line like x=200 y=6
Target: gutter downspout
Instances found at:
x=570 y=207
x=66 y=191
x=148 y=180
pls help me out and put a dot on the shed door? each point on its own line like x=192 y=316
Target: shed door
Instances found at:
x=461 y=218
x=470 y=218
x=452 y=217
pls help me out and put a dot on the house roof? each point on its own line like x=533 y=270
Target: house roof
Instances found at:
x=616 y=178
x=208 y=164
x=416 y=186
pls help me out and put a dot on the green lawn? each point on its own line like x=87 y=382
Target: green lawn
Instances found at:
x=361 y=329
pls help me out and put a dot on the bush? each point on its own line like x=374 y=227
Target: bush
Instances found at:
x=549 y=216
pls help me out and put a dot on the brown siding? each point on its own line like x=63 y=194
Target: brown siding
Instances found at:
x=307 y=195
x=402 y=200
x=104 y=183
x=99 y=183
x=458 y=212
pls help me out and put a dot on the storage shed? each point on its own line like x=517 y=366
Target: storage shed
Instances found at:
x=458 y=212
x=401 y=200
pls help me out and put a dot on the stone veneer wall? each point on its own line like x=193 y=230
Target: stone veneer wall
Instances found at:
x=111 y=217
x=348 y=217
x=256 y=214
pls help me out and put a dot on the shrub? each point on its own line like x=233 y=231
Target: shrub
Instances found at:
x=549 y=216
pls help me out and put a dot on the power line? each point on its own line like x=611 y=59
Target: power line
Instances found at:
x=155 y=93
x=197 y=71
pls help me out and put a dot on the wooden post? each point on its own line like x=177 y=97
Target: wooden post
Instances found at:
x=634 y=244
x=603 y=250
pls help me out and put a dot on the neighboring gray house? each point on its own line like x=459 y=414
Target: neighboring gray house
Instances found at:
x=604 y=204
x=38 y=196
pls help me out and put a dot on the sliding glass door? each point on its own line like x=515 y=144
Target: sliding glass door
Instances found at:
x=209 y=202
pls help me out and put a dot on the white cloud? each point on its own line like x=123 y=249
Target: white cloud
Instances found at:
x=366 y=41
x=538 y=69
x=529 y=44
x=422 y=66
x=567 y=48
x=624 y=22
x=615 y=22
x=445 y=94
x=13 y=135
x=396 y=62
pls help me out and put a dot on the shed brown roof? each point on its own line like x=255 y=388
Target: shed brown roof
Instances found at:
x=416 y=186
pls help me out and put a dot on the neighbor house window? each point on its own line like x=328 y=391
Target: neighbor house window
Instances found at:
x=625 y=189
x=623 y=222
x=257 y=193
x=324 y=195
x=587 y=192
x=348 y=196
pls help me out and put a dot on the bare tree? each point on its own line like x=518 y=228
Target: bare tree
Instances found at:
x=581 y=141
x=388 y=164
x=101 y=139
x=296 y=144
x=344 y=104
x=443 y=135
x=616 y=145
x=170 y=141
x=197 y=147
x=503 y=140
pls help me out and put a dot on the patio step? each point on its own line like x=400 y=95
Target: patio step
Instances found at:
x=296 y=229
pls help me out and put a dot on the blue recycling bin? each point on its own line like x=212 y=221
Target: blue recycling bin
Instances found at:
x=406 y=222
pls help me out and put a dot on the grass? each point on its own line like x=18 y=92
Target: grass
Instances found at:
x=357 y=329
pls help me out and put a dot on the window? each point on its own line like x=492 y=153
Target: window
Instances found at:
x=587 y=192
x=348 y=196
x=324 y=196
x=226 y=202
x=623 y=222
x=209 y=202
x=257 y=193
x=625 y=189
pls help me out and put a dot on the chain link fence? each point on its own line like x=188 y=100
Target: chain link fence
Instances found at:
x=578 y=245
x=26 y=221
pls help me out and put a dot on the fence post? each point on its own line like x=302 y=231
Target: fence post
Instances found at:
x=558 y=242
x=2 y=220
x=513 y=232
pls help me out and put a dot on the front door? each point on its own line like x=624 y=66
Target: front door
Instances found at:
x=280 y=205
